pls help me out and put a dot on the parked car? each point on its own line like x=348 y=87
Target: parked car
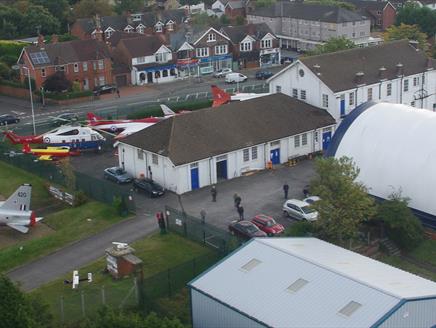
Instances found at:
x=117 y=174
x=65 y=118
x=263 y=75
x=245 y=229
x=235 y=78
x=149 y=187
x=311 y=199
x=286 y=60
x=268 y=225
x=107 y=88
x=8 y=119
x=299 y=210
x=222 y=72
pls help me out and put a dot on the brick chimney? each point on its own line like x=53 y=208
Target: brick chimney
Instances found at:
x=400 y=69
x=382 y=73
x=358 y=78
x=40 y=41
x=54 y=39
x=129 y=18
x=98 y=34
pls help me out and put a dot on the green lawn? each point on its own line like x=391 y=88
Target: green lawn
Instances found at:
x=70 y=224
x=158 y=252
x=407 y=266
x=11 y=178
x=426 y=252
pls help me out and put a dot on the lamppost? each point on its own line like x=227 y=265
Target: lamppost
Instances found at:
x=31 y=98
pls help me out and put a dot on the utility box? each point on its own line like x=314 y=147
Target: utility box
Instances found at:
x=121 y=262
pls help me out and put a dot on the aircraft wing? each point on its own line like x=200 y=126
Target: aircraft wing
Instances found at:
x=167 y=111
x=20 y=228
x=45 y=158
x=132 y=128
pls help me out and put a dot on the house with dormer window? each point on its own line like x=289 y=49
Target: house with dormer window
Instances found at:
x=253 y=45
x=149 y=59
x=212 y=49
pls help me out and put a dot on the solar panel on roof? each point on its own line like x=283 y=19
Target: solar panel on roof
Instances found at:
x=40 y=57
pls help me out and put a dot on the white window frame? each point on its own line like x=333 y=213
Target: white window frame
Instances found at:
x=351 y=99
x=303 y=95
x=278 y=88
x=246 y=46
x=140 y=154
x=267 y=43
x=85 y=66
x=158 y=28
x=406 y=85
x=325 y=100
x=101 y=80
x=211 y=37
x=369 y=94
x=161 y=57
x=202 y=52
x=253 y=153
x=304 y=139
x=221 y=49
x=101 y=64
x=388 y=89
x=246 y=154
x=295 y=93
x=155 y=159
x=43 y=73
x=76 y=67
x=416 y=81
x=297 y=141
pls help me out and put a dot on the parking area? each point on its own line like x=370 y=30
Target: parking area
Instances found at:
x=261 y=193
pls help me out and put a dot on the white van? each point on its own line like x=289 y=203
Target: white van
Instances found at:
x=235 y=78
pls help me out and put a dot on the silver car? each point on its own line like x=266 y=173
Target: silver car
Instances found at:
x=299 y=210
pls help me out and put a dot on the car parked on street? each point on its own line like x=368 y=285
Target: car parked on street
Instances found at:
x=286 y=60
x=222 y=72
x=263 y=75
x=117 y=174
x=65 y=118
x=268 y=225
x=149 y=187
x=235 y=78
x=311 y=199
x=107 y=88
x=245 y=229
x=8 y=119
x=299 y=210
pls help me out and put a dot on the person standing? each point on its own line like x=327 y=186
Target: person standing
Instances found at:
x=213 y=192
x=240 y=210
x=237 y=200
x=286 y=190
x=118 y=93
x=203 y=216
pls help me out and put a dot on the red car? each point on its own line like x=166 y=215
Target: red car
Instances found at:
x=268 y=225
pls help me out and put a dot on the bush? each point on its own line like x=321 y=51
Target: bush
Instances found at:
x=402 y=226
x=120 y=205
x=67 y=95
x=301 y=229
x=57 y=82
x=80 y=198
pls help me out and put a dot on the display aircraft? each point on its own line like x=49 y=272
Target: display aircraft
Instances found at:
x=75 y=137
x=15 y=211
x=50 y=153
x=220 y=97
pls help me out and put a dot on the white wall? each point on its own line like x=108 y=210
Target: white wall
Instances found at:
x=419 y=313
x=218 y=5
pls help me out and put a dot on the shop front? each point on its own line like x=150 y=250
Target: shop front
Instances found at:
x=187 y=67
x=269 y=57
x=212 y=64
x=155 y=74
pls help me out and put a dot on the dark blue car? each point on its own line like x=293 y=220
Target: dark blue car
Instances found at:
x=263 y=75
x=118 y=175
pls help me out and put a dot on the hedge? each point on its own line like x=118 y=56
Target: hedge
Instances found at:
x=67 y=95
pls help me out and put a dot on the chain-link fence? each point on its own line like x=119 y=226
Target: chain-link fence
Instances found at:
x=199 y=231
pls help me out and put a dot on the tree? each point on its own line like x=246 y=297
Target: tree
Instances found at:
x=409 y=32
x=87 y=8
x=401 y=225
x=38 y=18
x=344 y=203
x=122 y=6
x=332 y=45
x=57 y=82
x=423 y=17
x=57 y=8
x=19 y=310
x=10 y=21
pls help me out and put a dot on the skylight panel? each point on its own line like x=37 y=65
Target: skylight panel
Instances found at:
x=297 y=285
x=250 y=265
x=350 y=308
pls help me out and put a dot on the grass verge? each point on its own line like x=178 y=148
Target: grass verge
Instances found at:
x=402 y=264
x=425 y=252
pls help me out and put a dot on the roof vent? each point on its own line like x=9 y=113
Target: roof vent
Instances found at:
x=382 y=73
x=297 y=285
x=400 y=69
x=350 y=308
x=359 y=78
x=250 y=265
x=317 y=69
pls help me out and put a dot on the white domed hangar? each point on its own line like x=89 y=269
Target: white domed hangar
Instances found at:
x=394 y=146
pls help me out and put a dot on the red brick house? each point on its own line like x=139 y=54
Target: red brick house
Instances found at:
x=253 y=45
x=84 y=61
x=234 y=8
x=381 y=13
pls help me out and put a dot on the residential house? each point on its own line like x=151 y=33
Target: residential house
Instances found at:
x=339 y=82
x=186 y=152
x=219 y=5
x=184 y=51
x=212 y=49
x=86 y=62
x=307 y=282
x=253 y=45
x=149 y=59
x=381 y=13
x=235 y=8
x=143 y=22
x=304 y=26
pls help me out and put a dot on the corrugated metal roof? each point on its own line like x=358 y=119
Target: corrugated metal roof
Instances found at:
x=335 y=278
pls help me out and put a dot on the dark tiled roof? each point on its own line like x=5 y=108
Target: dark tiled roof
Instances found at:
x=235 y=4
x=368 y=4
x=117 y=36
x=145 y=45
x=338 y=70
x=213 y=131
x=310 y=12
x=71 y=51
x=238 y=33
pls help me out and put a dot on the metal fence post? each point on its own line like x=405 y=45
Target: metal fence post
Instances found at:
x=103 y=295
x=82 y=297
x=62 y=310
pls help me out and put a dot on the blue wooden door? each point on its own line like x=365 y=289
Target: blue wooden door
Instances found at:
x=275 y=156
x=342 y=107
x=195 y=181
x=221 y=170
x=326 y=137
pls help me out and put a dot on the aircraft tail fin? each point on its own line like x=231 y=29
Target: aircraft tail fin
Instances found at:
x=26 y=149
x=15 y=139
x=20 y=199
x=167 y=111
x=219 y=96
x=92 y=117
